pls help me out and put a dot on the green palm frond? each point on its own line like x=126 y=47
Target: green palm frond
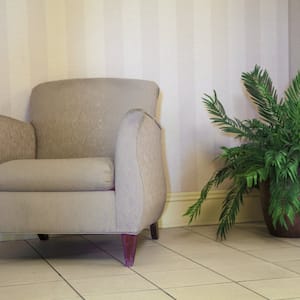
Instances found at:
x=220 y=118
x=270 y=151
x=261 y=90
x=230 y=208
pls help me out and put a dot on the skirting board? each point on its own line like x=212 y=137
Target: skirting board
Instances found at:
x=178 y=203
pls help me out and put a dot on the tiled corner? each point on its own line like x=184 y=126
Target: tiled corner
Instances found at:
x=185 y=263
x=276 y=288
x=100 y=286
x=57 y=290
x=226 y=291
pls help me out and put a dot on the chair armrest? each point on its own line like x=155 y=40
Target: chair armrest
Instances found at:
x=17 y=139
x=139 y=174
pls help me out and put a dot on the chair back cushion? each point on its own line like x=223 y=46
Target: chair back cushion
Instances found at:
x=80 y=117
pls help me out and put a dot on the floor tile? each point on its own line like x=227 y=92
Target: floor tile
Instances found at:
x=99 y=286
x=179 y=236
x=155 y=258
x=88 y=265
x=289 y=241
x=206 y=231
x=228 y=291
x=254 y=271
x=58 y=290
x=251 y=241
x=188 y=243
x=16 y=250
x=183 y=277
x=277 y=254
x=244 y=237
x=26 y=271
x=276 y=288
x=293 y=265
x=64 y=246
x=183 y=264
x=245 y=270
x=258 y=229
x=144 y=295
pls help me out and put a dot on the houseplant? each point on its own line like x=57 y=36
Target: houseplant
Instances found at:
x=268 y=155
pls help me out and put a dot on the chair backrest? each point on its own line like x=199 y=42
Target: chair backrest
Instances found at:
x=81 y=117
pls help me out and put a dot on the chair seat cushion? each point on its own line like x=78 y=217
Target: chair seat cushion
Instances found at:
x=57 y=175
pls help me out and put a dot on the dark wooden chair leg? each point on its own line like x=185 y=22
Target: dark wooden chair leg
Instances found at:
x=43 y=237
x=154 y=231
x=129 y=247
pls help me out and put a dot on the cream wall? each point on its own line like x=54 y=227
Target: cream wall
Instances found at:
x=294 y=26
x=188 y=47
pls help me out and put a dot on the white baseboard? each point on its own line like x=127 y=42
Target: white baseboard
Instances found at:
x=178 y=203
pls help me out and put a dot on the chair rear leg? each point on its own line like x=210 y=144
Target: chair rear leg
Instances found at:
x=129 y=248
x=43 y=237
x=154 y=231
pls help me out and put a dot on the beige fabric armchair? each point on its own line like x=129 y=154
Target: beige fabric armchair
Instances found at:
x=89 y=161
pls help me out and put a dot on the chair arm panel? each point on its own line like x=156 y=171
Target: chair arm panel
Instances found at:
x=17 y=139
x=139 y=175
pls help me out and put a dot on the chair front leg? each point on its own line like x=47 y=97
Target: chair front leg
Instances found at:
x=43 y=237
x=129 y=248
x=154 y=231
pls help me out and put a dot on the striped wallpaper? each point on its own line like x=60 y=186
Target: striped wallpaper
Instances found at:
x=187 y=46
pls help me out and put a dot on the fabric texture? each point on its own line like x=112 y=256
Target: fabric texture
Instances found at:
x=17 y=139
x=81 y=117
x=58 y=212
x=57 y=175
x=139 y=174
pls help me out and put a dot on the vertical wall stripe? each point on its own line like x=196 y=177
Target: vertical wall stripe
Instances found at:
x=37 y=41
x=186 y=93
x=252 y=33
x=236 y=52
x=75 y=34
x=18 y=58
x=113 y=38
x=203 y=84
x=294 y=37
x=94 y=36
x=132 y=45
x=269 y=50
x=4 y=63
x=56 y=39
x=282 y=25
x=219 y=23
x=150 y=40
x=253 y=45
x=169 y=85
x=239 y=103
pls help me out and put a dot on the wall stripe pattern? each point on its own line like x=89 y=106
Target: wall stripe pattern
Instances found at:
x=187 y=46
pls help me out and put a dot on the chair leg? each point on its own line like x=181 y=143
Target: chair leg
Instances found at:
x=129 y=247
x=43 y=237
x=154 y=231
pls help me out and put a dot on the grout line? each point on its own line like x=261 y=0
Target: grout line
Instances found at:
x=131 y=269
x=212 y=270
x=161 y=289
x=59 y=274
x=252 y=255
x=164 y=291
x=190 y=259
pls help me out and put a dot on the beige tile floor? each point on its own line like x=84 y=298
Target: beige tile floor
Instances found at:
x=185 y=263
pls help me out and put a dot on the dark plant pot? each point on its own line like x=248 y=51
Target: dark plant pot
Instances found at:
x=293 y=230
